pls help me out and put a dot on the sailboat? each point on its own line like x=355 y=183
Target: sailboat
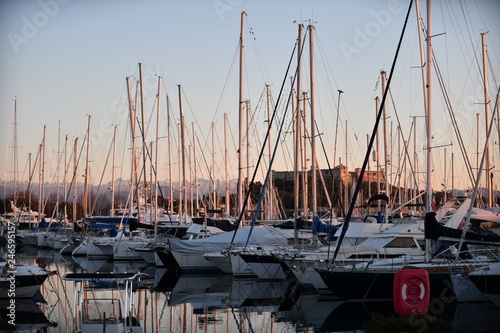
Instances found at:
x=375 y=279
x=372 y=283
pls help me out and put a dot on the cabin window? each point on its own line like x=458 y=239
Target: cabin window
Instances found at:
x=401 y=242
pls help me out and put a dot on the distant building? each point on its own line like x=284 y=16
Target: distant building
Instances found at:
x=340 y=172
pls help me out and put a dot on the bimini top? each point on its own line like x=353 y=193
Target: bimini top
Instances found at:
x=102 y=277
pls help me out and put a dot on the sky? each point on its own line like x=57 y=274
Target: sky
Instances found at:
x=63 y=60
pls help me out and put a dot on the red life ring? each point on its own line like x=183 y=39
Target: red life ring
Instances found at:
x=411 y=291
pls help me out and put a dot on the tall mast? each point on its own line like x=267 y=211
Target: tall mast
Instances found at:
x=42 y=163
x=112 y=212
x=446 y=164
x=478 y=139
x=195 y=169
x=64 y=179
x=270 y=187
x=429 y=108
x=40 y=186
x=58 y=167
x=157 y=147
x=403 y=168
x=241 y=115
x=414 y=183
x=86 y=175
x=429 y=197
x=75 y=166
x=313 y=121
x=489 y=171
x=150 y=210
x=369 y=171
x=247 y=178
x=133 y=176
x=298 y=125
x=377 y=155
x=386 y=149
x=170 y=178
x=305 y=179
x=297 y=141
x=183 y=150
x=348 y=180
x=15 y=151
x=190 y=181
x=179 y=174
x=226 y=170
x=144 y=147
x=29 y=190
x=424 y=70
x=336 y=137
x=213 y=165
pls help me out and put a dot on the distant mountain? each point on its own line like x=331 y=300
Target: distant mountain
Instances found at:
x=122 y=188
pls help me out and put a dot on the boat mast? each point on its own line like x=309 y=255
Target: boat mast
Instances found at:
x=313 y=121
x=241 y=115
x=298 y=126
x=270 y=187
x=305 y=178
x=85 y=181
x=377 y=153
x=489 y=170
x=414 y=183
x=75 y=166
x=424 y=88
x=15 y=151
x=247 y=178
x=226 y=167
x=190 y=181
x=157 y=144
x=42 y=171
x=179 y=174
x=133 y=177
x=348 y=180
x=429 y=197
x=144 y=146
x=478 y=138
x=29 y=190
x=369 y=173
x=336 y=137
x=169 y=142
x=213 y=165
x=183 y=151
x=113 y=175
x=195 y=171
x=386 y=148
x=64 y=179
x=58 y=167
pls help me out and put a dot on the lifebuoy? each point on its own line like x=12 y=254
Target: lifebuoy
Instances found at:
x=411 y=291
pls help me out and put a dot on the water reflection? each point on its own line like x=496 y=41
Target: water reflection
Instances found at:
x=29 y=316
x=168 y=301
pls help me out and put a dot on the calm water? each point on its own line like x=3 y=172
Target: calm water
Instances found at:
x=165 y=302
